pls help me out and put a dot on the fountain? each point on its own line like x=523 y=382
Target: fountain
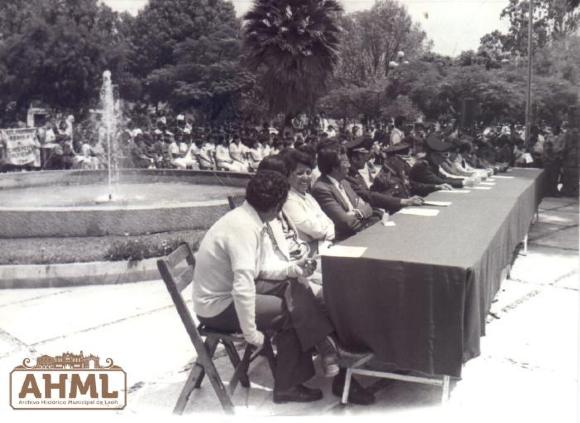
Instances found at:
x=109 y=119
x=113 y=203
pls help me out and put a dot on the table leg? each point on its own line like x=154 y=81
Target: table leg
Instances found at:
x=526 y=245
x=445 y=393
x=346 y=389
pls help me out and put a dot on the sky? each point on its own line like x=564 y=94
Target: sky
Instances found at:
x=452 y=25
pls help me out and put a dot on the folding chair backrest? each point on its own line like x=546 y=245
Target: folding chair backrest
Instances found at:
x=231 y=202
x=177 y=273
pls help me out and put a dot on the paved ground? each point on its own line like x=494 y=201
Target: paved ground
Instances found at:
x=528 y=366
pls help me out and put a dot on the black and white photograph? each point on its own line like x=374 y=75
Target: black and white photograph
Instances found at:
x=233 y=209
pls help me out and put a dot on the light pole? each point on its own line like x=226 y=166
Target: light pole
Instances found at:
x=529 y=87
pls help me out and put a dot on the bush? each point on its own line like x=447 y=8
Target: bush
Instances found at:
x=136 y=249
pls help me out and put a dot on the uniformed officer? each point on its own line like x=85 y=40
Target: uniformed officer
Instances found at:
x=393 y=179
x=362 y=180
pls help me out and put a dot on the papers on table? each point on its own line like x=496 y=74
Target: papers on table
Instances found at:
x=484 y=188
x=343 y=251
x=437 y=203
x=503 y=177
x=419 y=211
x=455 y=191
x=389 y=223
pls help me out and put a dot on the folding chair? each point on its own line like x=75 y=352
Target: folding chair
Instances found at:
x=177 y=273
x=231 y=202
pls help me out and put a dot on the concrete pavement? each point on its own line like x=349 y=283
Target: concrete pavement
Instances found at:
x=528 y=365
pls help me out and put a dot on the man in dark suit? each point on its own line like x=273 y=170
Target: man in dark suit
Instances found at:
x=361 y=180
x=349 y=212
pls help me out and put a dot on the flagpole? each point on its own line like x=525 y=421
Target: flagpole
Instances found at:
x=529 y=85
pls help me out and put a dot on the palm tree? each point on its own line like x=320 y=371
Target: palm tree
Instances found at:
x=293 y=46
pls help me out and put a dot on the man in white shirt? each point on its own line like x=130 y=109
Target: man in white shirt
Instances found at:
x=397 y=134
x=227 y=295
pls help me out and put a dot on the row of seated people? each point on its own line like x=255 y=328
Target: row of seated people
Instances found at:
x=257 y=267
x=208 y=153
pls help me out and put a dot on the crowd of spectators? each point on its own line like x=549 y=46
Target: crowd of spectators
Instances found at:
x=175 y=142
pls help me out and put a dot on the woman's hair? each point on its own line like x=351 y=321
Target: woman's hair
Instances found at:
x=274 y=163
x=267 y=190
x=294 y=157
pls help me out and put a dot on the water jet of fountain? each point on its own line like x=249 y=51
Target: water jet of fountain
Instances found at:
x=109 y=119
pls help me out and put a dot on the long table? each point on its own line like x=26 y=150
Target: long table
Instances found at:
x=419 y=294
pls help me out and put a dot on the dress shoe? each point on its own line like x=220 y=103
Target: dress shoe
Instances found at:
x=356 y=394
x=298 y=393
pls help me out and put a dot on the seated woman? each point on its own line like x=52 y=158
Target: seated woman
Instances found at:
x=254 y=154
x=285 y=255
x=223 y=159
x=205 y=150
x=237 y=153
x=189 y=158
x=301 y=207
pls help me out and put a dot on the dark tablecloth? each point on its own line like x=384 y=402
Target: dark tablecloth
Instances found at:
x=419 y=295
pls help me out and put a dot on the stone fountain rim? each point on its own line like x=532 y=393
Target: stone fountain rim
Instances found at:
x=238 y=178
x=188 y=204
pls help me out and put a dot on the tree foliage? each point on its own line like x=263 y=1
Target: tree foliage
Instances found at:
x=56 y=50
x=373 y=38
x=553 y=20
x=292 y=45
x=187 y=53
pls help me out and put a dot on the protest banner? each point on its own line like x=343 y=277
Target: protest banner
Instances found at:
x=20 y=146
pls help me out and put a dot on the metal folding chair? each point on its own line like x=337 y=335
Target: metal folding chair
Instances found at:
x=177 y=273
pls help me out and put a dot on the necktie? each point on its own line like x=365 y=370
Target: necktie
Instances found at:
x=345 y=196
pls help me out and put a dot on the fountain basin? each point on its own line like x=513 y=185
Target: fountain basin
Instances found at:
x=69 y=203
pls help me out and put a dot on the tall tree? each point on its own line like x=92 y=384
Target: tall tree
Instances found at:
x=553 y=20
x=372 y=39
x=293 y=47
x=187 y=52
x=56 y=50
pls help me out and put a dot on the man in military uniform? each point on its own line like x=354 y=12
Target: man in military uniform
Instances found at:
x=426 y=169
x=361 y=179
x=394 y=180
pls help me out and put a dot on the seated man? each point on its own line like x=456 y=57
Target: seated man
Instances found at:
x=139 y=154
x=361 y=180
x=427 y=169
x=349 y=212
x=394 y=177
x=227 y=295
